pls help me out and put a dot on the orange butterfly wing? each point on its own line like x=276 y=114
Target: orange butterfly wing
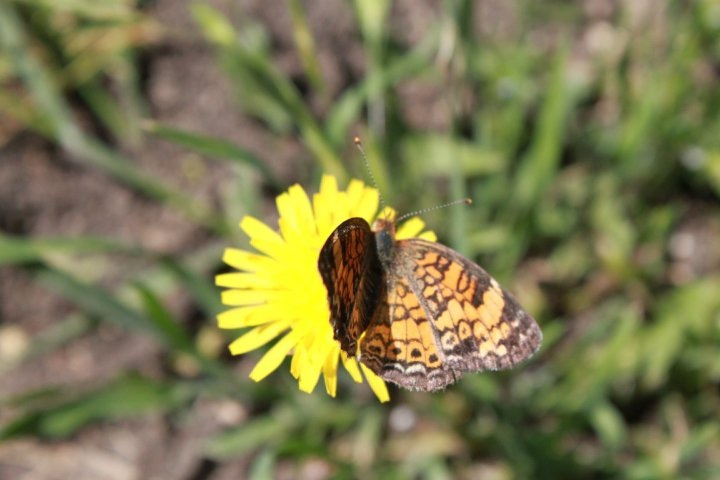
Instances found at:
x=443 y=315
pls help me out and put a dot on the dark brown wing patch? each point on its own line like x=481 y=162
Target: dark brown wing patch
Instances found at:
x=352 y=274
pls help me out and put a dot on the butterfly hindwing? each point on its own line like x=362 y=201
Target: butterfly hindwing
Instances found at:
x=400 y=345
x=444 y=315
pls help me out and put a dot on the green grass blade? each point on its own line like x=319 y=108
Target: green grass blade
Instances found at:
x=306 y=46
x=263 y=466
x=372 y=19
x=128 y=396
x=21 y=250
x=96 y=301
x=539 y=164
x=348 y=108
x=174 y=336
x=253 y=434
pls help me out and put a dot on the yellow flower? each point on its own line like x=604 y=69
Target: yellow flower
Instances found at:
x=278 y=292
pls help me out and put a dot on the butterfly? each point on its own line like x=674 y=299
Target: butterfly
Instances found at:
x=418 y=313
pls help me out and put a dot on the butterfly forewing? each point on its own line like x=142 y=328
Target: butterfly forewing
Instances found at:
x=351 y=271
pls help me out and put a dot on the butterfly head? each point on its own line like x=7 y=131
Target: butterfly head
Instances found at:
x=385 y=224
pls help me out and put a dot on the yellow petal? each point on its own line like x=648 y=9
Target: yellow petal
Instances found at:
x=237 y=298
x=276 y=251
x=256 y=229
x=303 y=209
x=309 y=376
x=330 y=370
x=323 y=204
x=323 y=214
x=257 y=337
x=251 y=316
x=273 y=358
x=367 y=205
x=243 y=280
x=429 y=236
x=410 y=228
x=328 y=185
x=298 y=359
x=354 y=192
x=248 y=261
x=287 y=222
x=377 y=384
x=351 y=366
x=387 y=213
x=296 y=218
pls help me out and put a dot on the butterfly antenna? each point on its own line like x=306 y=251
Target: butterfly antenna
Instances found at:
x=466 y=201
x=359 y=146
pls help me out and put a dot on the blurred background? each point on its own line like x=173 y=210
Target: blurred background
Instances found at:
x=134 y=135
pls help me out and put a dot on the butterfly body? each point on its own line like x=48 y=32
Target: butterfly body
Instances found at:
x=421 y=313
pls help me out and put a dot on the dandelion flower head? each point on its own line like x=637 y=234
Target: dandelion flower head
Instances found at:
x=277 y=293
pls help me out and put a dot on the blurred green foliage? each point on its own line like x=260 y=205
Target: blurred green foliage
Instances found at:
x=584 y=166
